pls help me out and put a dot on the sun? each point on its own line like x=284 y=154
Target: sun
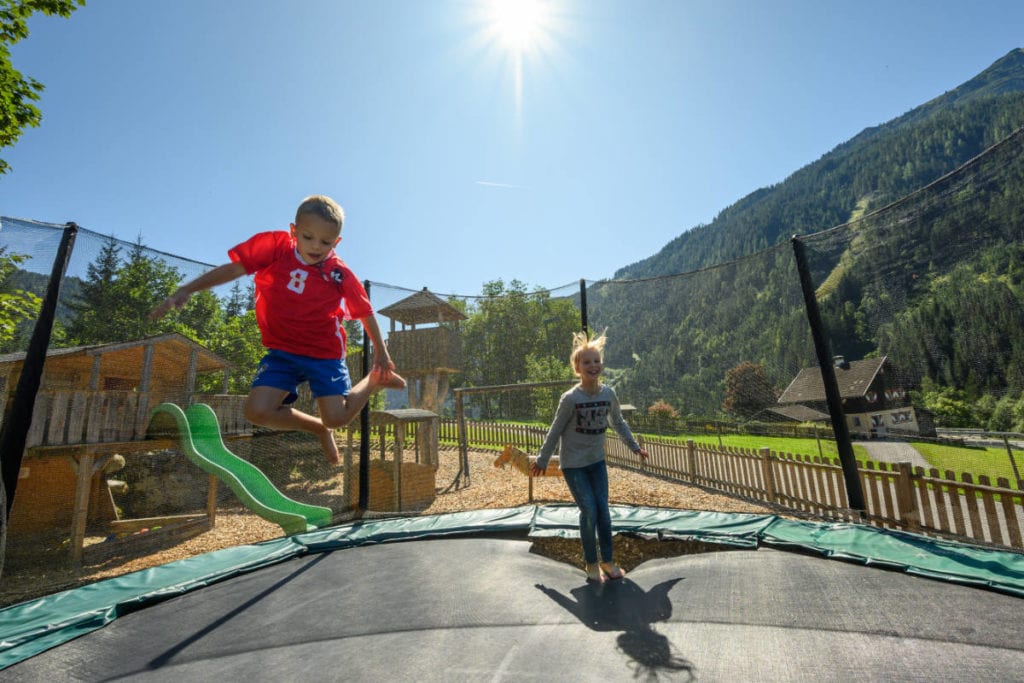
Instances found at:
x=518 y=24
x=517 y=32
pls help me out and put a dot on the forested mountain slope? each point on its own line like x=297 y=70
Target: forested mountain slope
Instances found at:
x=908 y=260
x=874 y=168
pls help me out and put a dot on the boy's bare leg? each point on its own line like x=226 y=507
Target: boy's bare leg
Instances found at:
x=264 y=407
x=338 y=413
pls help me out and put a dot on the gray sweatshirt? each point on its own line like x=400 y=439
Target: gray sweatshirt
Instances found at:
x=579 y=428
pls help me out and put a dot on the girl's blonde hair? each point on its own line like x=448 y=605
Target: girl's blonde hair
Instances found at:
x=581 y=341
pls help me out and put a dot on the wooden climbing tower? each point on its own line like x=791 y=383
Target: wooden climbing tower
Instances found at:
x=427 y=348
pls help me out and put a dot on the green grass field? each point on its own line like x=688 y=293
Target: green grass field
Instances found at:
x=992 y=462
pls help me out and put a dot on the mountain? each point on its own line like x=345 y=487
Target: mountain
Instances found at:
x=877 y=166
x=915 y=238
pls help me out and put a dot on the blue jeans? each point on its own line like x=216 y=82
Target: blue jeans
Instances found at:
x=589 y=488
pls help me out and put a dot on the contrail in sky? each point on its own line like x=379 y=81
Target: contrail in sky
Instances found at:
x=488 y=183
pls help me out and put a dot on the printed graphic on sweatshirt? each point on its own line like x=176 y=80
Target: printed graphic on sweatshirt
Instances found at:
x=592 y=417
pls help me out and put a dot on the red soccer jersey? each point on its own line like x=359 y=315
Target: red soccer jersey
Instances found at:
x=300 y=307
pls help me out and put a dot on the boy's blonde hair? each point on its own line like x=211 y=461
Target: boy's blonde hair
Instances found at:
x=322 y=206
x=581 y=342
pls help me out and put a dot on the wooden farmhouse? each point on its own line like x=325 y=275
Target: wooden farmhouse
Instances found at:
x=875 y=398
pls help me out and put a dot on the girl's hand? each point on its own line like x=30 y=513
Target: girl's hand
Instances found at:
x=642 y=453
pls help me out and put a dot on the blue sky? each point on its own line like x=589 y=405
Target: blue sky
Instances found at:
x=462 y=155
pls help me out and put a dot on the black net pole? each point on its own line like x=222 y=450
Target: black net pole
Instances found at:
x=364 y=427
x=19 y=416
x=854 y=492
x=583 y=306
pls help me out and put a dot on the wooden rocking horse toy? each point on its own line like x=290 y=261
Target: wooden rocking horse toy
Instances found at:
x=521 y=461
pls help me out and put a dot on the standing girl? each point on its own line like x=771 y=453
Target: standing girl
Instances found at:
x=584 y=414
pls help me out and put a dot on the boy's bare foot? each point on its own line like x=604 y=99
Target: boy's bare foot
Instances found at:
x=330 y=447
x=394 y=380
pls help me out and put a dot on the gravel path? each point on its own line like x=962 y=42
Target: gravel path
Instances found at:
x=893 y=451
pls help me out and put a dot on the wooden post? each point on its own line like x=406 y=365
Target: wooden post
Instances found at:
x=460 y=417
x=80 y=514
x=399 y=447
x=768 y=472
x=142 y=414
x=346 y=499
x=211 y=499
x=1013 y=463
x=190 y=378
x=909 y=513
x=94 y=378
x=691 y=459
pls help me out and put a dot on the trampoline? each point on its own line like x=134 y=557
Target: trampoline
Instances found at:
x=462 y=598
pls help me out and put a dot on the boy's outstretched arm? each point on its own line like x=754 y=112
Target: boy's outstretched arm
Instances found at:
x=212 y=278
x=381 y=356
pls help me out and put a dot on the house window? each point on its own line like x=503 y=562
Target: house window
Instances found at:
x=856 y=421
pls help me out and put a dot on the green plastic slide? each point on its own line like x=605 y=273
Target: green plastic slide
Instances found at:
x=201 y=441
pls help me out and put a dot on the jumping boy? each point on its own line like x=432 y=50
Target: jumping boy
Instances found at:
x=303 y=293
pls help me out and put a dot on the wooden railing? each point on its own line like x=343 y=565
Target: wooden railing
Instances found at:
x=68 y=418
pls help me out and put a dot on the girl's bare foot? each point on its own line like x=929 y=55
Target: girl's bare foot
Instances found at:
x=612 y=570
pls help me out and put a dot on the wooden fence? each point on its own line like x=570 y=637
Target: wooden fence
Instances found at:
x=897 y=496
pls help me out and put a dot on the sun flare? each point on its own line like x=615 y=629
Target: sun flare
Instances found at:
x=518 y=24
x=517 y=35
x=517 y=32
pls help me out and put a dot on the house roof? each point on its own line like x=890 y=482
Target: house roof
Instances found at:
x=422 y=307
x=172 y=348
x=854 y=380
x=799 y=413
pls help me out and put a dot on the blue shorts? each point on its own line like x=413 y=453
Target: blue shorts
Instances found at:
x=286 y=371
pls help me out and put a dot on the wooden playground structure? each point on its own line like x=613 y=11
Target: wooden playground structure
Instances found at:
x=92 y=414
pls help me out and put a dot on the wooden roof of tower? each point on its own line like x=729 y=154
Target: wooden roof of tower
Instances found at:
x=421 y=308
